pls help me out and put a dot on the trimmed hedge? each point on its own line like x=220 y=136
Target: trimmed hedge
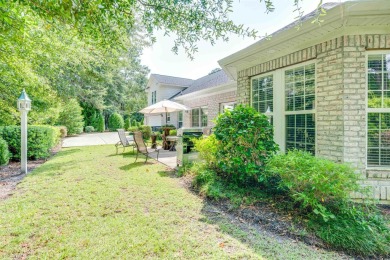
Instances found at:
x=40 y=139
x=115 y=121
x=4 y=153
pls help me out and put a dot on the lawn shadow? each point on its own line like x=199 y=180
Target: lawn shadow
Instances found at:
x=52 y=169
x=126 y=154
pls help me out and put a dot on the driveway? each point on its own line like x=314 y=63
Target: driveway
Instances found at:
x=91 y=139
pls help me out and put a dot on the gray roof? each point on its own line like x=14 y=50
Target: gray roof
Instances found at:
x=170 y=80
x=311 y=15
x=209 y=81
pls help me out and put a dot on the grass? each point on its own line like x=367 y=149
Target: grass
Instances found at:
x=89 y=203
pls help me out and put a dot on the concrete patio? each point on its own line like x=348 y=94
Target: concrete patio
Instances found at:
x=165 y=156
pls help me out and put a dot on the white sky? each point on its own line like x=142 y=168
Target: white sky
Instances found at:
x=161 y=60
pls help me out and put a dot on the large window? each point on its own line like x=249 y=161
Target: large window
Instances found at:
x=299 y=105
x=199 y=117
x=378 y=110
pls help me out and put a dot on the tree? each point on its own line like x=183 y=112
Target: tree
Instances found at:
x=106 y=20
x=72 y=117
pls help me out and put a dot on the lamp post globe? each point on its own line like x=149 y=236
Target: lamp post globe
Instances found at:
x=24 y=105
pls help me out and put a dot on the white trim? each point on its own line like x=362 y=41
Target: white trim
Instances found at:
x=373 y=110
x=219 y=89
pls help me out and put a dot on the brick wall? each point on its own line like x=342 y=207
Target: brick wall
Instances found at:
x=340 y=99
x=213 y=104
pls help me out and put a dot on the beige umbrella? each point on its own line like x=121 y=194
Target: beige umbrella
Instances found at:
x=164 y=106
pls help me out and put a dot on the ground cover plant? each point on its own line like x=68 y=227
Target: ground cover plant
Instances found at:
x=72 y=207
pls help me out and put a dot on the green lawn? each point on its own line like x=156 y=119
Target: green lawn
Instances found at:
x=89 y=203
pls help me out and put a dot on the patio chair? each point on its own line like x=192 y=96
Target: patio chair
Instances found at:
x=124 y=141
x=141 y=146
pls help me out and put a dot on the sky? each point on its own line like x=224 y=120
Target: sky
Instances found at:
x=161 y=60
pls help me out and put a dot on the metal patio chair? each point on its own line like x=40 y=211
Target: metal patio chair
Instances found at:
x=124 y=141
x=141 y=146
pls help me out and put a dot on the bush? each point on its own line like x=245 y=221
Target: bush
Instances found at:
x=89 y=129
x=173 y=132
x=71 y=117
x=245 y=143
x=207 y=148
x=63 y=131
x=100 y=126
x=312 y=181
x=40 y=139
x=146 y=131
x=127 y=124
x=358 y=229
x=4 y=153
x=115 y=122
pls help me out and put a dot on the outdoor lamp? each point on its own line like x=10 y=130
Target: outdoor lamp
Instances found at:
x=24 y=105
x=268 y=114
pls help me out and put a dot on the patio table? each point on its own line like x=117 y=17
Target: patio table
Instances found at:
x=172 y=139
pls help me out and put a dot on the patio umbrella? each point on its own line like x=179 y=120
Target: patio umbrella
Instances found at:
x=164 y=106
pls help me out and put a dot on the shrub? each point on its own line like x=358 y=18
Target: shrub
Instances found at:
x=115 y=122
x=357 y=228
x=100 y=126
x=63 y=131
x=89 y=129
x=245 y=143
x=71 y=117
x=173 y=132
x=146 y=131
x=4 y=153
x=40 y=139
x=312 y=181
x=127 y=123
x=207 y=148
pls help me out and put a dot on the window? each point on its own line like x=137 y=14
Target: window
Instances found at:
x=199 y=117
x=168 y=117
x=378 y=110
x=154 y=95
x=228 y=106
x=262 y=93
x=299 y=105
x=180 y=119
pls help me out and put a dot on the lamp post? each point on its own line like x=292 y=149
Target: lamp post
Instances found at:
x=24 y=105
x=268 y=114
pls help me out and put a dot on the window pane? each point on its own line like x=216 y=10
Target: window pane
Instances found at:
x=262 y=93
x=195 y=117
x=300 y=88
x=378 y=139
x=204 y=113
x=300 y=132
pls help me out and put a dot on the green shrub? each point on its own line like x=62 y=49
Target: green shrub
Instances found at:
x=115 y=122
x=146 y=131
x=312 y=181
x=245 y=143
x=100 y=126
x=89 y=129
x=133 y=128
x=4 y=153
x=173 y=132
x=40 y=139
x=72 y=117
x=63 y=131
x=127 y=123
x=356 y=228
x=207 y=148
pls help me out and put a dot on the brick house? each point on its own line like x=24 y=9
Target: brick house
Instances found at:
x=328 y=86
x=206 y=96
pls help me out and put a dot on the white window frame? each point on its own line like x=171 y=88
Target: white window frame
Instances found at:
x=373 y=110
x=221 y=106
x=200 y=116
x=279 y=112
